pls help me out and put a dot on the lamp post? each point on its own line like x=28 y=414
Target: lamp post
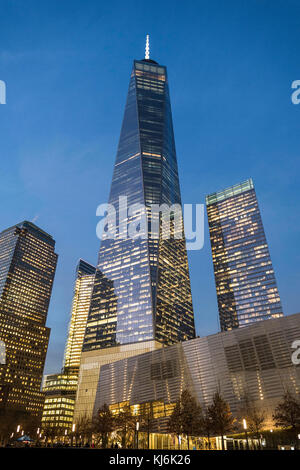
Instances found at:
x=272 y=439
x=73 y=432
x=38 y=435
x=137 y=427
x=246 y=434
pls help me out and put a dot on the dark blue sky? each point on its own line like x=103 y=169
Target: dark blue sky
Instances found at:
x=67 y=67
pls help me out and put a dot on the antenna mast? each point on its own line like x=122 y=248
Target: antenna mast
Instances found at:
x=147 y=48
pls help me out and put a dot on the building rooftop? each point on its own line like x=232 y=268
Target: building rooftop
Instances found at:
x=229 y=192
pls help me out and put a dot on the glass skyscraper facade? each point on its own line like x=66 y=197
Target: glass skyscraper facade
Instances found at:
x=27 y=269
x=60 y=389
x=83 y=288
x=60 y=392
x=142 y=286
x=244 y=275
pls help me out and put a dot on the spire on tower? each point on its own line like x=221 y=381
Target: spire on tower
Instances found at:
x=147 y=48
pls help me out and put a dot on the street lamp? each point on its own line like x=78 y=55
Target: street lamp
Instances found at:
x=272 y=440
x=137 y=434
x=18 y=428
x=38 y=434
x=246 y=434
x=65 y=434
x=73 y=431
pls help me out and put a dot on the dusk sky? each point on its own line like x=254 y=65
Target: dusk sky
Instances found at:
x=67 y=67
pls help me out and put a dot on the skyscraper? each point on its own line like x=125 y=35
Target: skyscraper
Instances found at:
x=27 y=269
x=84 y=281
x=142 y=290
x=142 y=294
x=60 y=389
x=244 y=275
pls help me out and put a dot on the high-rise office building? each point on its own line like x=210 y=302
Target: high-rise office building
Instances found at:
x=60 y=392
x=245 y=280
x=142 y=295
x=85 y=274
x=27 y=269
x=60 y=389
x=142 y=290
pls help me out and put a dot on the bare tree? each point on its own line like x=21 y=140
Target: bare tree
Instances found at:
x=9 y=420
x=146 y=418
x=126 y=424
x=84 y=428
x=207 y=426
x=49 y=432
x=255 y=417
